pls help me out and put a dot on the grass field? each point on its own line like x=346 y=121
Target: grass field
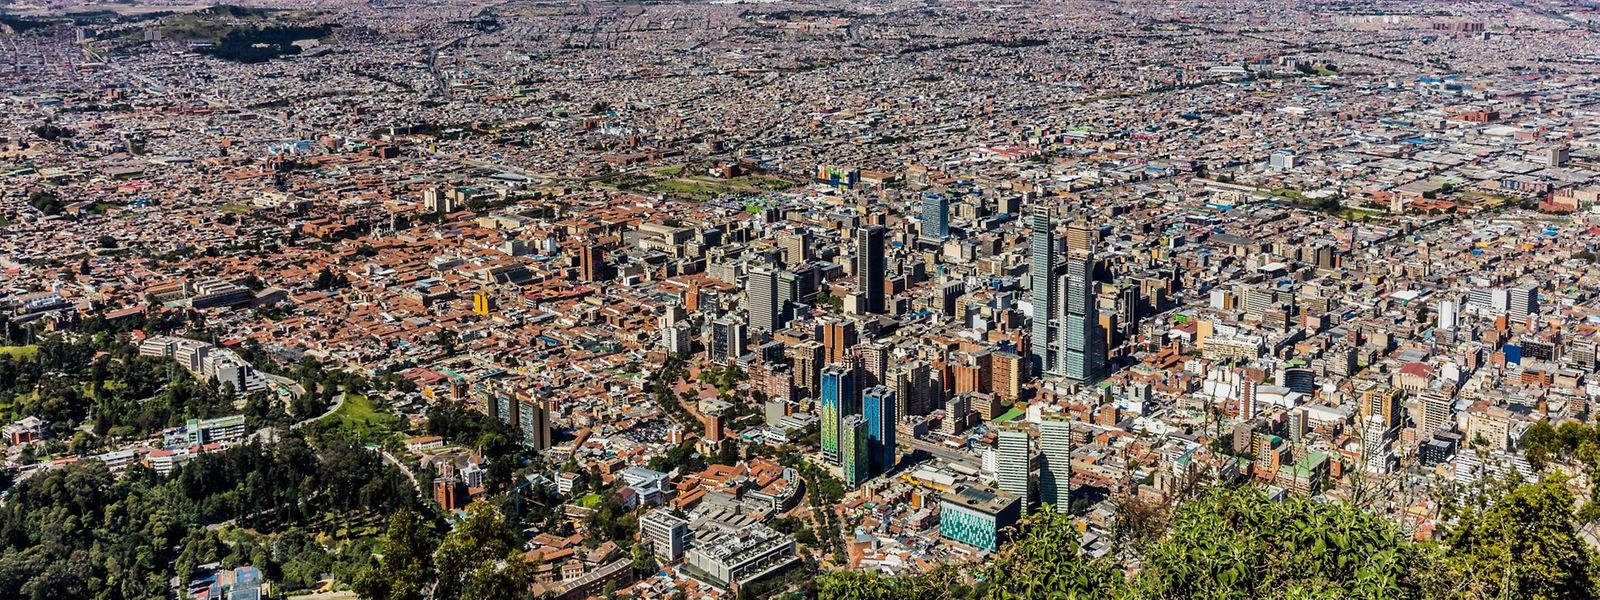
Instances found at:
x=19 y=351
x=358 y=418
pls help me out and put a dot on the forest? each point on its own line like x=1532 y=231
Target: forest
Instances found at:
x=1235 y=543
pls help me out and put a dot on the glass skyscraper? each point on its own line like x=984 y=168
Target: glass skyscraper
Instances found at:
x=878 y=405
x=935 y=216
x=838 y=400
x=872 y=267
x=1041 y=273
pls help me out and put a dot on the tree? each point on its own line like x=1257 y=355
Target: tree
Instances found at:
x=1526 y=545
x=406 y=568
x=644 y=561
x=1046 y=561
x=479 y=559
x=1236 y=543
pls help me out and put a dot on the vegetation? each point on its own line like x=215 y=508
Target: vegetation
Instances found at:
x=261 y=44
x=80 y=532
x=1236 y=543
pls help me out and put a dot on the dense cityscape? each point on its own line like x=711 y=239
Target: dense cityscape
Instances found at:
x=867 y=299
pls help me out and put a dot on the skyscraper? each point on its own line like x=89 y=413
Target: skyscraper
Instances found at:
x=838 y=399
x=761 y=292
x=1015 y=463
x=854 y=452
x=1055 y=466
x=1041 y=272
x=878 y=404
x=837 y=338
x=871 y=267
x=872 y=363
x=935 y=217
x=1083 y=346
x=592 y=263
x=727 y=338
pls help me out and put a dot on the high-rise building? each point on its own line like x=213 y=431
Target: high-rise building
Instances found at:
x=872 y=364
x=761 y=294
x=796 y=247
x=872 y=267
x=790 y=294
x=727 y=339
x=1383 y=402
x=1376 y=446
x=1015 y=456
x=805 y=367
x=1083 y=346
x=1055 y=465
x=1449 y=315
x=1247 y=398
x=838 y=336
x=1523 y=301
x=1438 y=413
x=878 y=405
x=534 y=420
x=955 y=415
x=854 y=450
x=592 y=262
x=667 y=535
x=838 y=399
x=935 y=217
x=1042 y=276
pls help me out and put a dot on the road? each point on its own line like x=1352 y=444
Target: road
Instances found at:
x=389 y=458
x=941 y=451
x=338 y=401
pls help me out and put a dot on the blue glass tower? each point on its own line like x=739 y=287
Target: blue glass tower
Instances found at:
x=838 y=401
x=878 y=405
x=935 y=216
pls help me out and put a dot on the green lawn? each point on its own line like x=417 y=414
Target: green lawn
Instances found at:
x=19 y=351
x=358 y=418
x=235 y=208
x=589 y=501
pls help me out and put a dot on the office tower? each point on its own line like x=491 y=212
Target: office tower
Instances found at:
x=1375 y=445
x=1247 y=398
x=935 y=217
x=1449 y=315
x=1383 y=403
x=676 y=338
x=805 y=367
x=534 y=419
x=1438 y=413
x=1083 y=347
x=796 y=247
x=955 y=416
x=837 y=338
x=1041 y=274
x=1300 y=379
x=872 y=364
x=1015 y=463
x=761 y=293
x=1522 y=301
x=1055 y=465
x=871 y=267
x=790 y=292
x=853 y=448
x=592 y=262
x=878 y=404
x=667 y=535
x=1006 y=376
x=838 y=399
x=727 y=339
